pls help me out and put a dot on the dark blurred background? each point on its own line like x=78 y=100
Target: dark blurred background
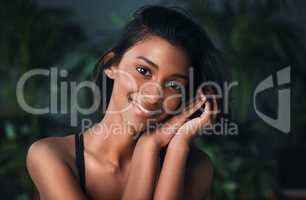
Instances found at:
x=258 y=38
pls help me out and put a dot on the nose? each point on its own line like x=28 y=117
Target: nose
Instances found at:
x=152 y=94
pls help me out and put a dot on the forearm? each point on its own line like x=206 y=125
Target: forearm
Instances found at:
x=144 y=168
x=171 y=180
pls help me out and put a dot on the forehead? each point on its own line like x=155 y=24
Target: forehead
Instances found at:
x=161 y=52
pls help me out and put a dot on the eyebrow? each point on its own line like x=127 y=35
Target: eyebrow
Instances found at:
x=156 y=66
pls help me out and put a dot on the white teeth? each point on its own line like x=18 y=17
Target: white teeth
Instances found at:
x=142 y=108
x=148 y=112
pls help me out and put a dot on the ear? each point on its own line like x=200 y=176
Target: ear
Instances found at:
x=111 y=70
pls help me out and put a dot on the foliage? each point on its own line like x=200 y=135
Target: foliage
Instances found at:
x=254 y=36
x=31 y=37
x=256 y=41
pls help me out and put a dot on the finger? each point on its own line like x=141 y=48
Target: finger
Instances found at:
x=174 y=123
x=215 y=108
x=206 y=117
x=209 y=92
x=205 y=120
x=195 y=105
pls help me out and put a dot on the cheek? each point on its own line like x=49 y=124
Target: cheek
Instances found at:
x=171 y=106
x=121 y=89
x=126 y=82
x=171 y=103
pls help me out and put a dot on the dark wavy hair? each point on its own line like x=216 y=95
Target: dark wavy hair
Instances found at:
x=175 y=26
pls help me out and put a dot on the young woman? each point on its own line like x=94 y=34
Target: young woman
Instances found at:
x=122 y=156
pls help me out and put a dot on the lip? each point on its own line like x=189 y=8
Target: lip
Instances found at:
x=144 y=111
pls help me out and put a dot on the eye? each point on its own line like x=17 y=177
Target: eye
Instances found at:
x=175 y=85
x=143 y=71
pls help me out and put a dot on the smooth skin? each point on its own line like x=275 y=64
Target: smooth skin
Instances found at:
x=122 y=165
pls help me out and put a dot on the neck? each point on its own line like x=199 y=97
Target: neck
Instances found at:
x=112 y=139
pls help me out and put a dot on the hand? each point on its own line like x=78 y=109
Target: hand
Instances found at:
x=162 y=136
x=190 y=129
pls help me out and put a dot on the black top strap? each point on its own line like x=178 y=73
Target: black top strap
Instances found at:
x=79 y=152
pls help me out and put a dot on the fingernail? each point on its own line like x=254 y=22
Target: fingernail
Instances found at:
x=203 y=97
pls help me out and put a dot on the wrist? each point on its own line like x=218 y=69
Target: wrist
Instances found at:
x=182 y=138
x=180 y=142
x=150 y=140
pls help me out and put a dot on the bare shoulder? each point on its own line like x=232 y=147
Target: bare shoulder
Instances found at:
x=59 y=147
x=59 y=150
x=48 y=162
x=199 y=174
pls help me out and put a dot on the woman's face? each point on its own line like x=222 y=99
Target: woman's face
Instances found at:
x=149 y=81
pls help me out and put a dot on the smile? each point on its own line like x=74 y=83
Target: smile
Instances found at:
x=143 y=110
